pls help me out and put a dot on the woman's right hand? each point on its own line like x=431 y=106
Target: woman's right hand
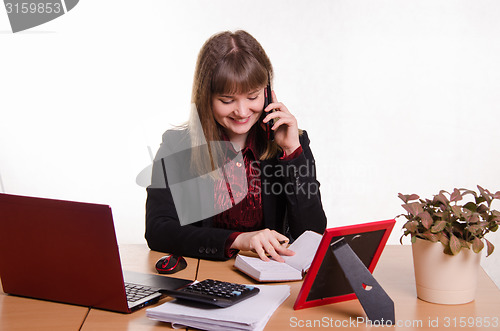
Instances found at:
x=263 y=242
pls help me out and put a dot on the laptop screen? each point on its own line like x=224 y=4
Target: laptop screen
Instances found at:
x=61 y=251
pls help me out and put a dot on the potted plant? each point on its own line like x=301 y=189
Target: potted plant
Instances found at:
x=447 y=273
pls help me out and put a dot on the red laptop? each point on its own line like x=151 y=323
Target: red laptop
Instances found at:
x=67 y=252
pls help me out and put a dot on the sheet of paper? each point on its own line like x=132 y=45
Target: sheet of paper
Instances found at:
x=250 y=314
x=305 y=247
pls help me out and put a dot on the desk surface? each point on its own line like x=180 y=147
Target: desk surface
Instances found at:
x=140 y=259
x=394 y=272
x=29 y=314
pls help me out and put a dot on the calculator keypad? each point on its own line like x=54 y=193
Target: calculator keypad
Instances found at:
x=215 y=292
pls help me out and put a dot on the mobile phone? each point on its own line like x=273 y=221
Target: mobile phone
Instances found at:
x=267 y=100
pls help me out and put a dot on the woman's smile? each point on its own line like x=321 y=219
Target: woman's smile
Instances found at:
x=240 y=120
x=237 y=113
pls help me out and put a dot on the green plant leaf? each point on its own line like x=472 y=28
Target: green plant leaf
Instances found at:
x=443 y=238
x=447 y=250
x=466 y=212
x=402 y=215
x=474 y=218
x=408 y=197
x=481 y=190
x=403 y=197
x=411 y=226
x=438 y=226
x=477 y=245
x=481 y=209
x=489 y=247
x=413 y=208
x=463 y=243
x=455 y=245
x=426 y=219
x=442 y=198
x=485 y=194
x=480 y=199
x=470 y=206
x=466 y=191
x=446 y=216
x=456 y=195
x=475 y=229
x=457 y=227
x=457 y=211
x=430 y=236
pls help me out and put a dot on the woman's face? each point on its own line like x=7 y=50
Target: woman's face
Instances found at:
x=237 y=113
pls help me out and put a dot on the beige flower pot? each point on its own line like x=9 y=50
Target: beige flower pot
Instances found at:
x=443 y=278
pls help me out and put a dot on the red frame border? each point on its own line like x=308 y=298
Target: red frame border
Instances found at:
x=324 y=245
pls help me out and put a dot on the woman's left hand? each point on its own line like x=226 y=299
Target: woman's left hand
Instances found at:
x=286 y=130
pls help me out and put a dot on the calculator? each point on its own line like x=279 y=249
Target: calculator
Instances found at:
x=214 y=292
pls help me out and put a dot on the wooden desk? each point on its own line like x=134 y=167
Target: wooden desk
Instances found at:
x=140 y=259
x=17 y=313
x=394 y=272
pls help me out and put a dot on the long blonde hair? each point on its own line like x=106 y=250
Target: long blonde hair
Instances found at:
x=228 y=62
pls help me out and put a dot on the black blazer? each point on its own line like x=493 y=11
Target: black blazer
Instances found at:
x=291 y=204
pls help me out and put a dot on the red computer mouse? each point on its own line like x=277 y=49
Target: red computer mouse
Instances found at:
x=170 y=264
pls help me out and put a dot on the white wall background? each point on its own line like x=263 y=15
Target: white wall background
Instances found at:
x=397 y=96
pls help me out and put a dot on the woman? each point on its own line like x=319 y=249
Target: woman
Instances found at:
x=259 y=207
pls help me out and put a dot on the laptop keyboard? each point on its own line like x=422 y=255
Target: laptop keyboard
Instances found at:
x=137 y=292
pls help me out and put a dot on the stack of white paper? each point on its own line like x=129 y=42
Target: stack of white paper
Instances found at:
x=249 y=314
